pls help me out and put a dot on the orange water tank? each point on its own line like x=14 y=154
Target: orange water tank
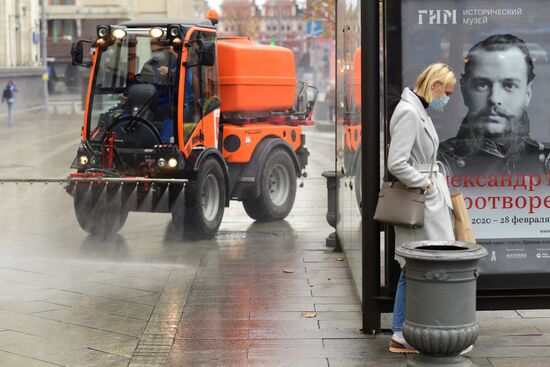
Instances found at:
x=255 y=77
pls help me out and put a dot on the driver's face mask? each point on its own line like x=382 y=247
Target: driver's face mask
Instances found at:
x=159 y=56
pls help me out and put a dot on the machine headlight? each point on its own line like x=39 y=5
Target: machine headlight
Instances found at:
x=174 y=31
x=156 y=32
x=83 y=160
x=103 y=31
x=172 y=162
x=161 y=162
x=119 y=33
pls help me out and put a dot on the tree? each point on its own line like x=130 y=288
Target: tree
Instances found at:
x=324 y=10
x=235 y=23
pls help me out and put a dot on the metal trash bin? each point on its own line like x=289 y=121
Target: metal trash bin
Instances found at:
x=332 y=239
x=441 y=300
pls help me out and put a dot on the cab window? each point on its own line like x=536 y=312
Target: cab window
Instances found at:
x=201 y=95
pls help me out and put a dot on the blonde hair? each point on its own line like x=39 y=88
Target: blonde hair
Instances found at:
x=434 y=73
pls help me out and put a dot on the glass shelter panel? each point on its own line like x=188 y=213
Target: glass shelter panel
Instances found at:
x=495 y=132
x=348 y=133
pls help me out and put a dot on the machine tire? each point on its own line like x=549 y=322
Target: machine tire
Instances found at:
x=277 y=189
x=201 y=213
x=99 y=213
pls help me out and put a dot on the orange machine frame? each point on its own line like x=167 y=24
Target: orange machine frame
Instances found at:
x=199 y=136
x=250 y=135
x=84 y=131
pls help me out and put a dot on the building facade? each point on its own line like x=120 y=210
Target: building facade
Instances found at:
x=284 y=24
x=20 y=51
x=240 y=18
x=277 y=23
x=19 y=33
x=70 y=20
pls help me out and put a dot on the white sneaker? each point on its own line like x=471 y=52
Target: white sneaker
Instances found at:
x=398 y=344
x=467 y=350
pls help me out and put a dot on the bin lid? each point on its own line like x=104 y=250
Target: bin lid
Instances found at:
x=441 y=251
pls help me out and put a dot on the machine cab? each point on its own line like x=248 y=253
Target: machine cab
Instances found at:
x=153 y=84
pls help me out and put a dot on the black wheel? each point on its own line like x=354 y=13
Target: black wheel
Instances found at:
x=200 y=213
x=100 y=211
x=277 y=189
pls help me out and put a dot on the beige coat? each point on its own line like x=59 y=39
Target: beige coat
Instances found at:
x=413 y=147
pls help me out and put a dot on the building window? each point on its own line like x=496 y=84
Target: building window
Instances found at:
x=61 y=2
x=56 y=30
x=62 y=30
x=68 y=30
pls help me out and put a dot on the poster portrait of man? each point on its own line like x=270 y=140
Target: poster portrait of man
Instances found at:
x=495 y=131
x=493 y=137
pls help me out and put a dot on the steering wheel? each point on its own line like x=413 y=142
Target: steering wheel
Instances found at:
x=135 y=129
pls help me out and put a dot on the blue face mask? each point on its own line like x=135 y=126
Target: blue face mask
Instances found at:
x=439 y=103
x=159 y=56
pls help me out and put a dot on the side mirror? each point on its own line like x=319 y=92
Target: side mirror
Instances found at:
x=207 y=53
x=77 y=54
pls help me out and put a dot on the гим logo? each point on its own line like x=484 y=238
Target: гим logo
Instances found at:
x=444 y=16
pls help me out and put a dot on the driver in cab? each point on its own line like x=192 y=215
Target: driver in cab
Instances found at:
x=152 y=93
x=160 y=68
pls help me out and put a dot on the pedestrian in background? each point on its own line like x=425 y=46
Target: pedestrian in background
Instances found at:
x=330 y=98
x=412 y=160
x=9 y=97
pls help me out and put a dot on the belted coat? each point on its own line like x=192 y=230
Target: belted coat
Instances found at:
x=413 y=149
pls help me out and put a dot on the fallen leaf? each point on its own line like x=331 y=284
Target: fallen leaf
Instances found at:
x=339 y=259
x=288 y=271
x=309 y=314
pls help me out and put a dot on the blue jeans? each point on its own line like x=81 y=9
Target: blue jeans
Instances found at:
x=10 y=112
x=399 y=304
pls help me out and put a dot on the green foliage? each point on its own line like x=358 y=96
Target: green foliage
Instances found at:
x=324 y=10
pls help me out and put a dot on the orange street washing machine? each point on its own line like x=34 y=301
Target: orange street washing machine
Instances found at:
x=181 y=121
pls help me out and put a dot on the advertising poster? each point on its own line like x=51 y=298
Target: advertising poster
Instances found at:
x=495 y=131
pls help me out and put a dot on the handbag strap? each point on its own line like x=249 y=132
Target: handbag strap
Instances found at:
x=433 y=162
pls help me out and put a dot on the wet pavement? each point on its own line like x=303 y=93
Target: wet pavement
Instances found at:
x=258 y=295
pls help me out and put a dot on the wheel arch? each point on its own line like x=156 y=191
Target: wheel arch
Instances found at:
x=199 y=156
x=250 y=176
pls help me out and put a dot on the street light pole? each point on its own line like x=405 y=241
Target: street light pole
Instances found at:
x=280 y=22
x=44 y=52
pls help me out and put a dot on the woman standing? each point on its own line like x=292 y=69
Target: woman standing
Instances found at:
x=412 y=160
